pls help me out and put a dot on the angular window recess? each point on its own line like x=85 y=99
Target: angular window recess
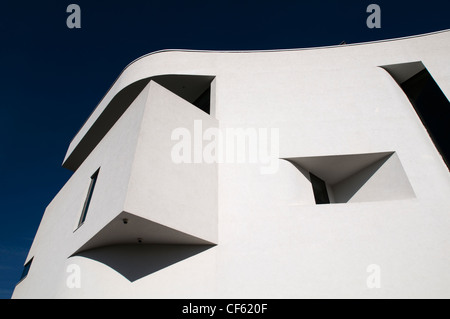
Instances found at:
x=26 y=269
x=429 y=102
x=203 y=102
x=88 y=198
x=355 y=177
x=196 y=89
x=319 y=189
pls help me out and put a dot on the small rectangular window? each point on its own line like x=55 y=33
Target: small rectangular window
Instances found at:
x=88 y=198
x=26 y=269
x=319 y=189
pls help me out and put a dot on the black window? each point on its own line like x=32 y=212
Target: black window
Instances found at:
x=319 y=189
x=26 y=269
x=203 y=101
x=433 y=108
x=88 y=198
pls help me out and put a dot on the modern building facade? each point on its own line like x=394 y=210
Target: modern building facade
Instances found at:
x=306 y=173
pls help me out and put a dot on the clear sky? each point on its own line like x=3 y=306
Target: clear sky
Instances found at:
x=52 y=77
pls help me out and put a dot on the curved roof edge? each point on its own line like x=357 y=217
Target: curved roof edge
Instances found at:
x=92 y=117
x=281 y=50
x=274 y=50
x=259 y=51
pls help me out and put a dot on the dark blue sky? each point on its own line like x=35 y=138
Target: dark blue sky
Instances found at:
x=52 y=77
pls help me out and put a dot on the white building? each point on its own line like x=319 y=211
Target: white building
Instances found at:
x=351 y=201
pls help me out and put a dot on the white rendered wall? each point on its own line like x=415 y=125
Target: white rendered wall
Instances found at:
x=179 y=195
x=273 y=240
x=58 y=237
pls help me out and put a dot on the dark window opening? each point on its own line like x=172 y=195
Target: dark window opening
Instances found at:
x=26 y=269
x=319 y=189
x=433 y=108
x=88 y=198
x=196 y=89
x=203 y=101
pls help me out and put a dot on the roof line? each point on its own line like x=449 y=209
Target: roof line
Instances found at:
x=282 y=50
x=249 y=51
